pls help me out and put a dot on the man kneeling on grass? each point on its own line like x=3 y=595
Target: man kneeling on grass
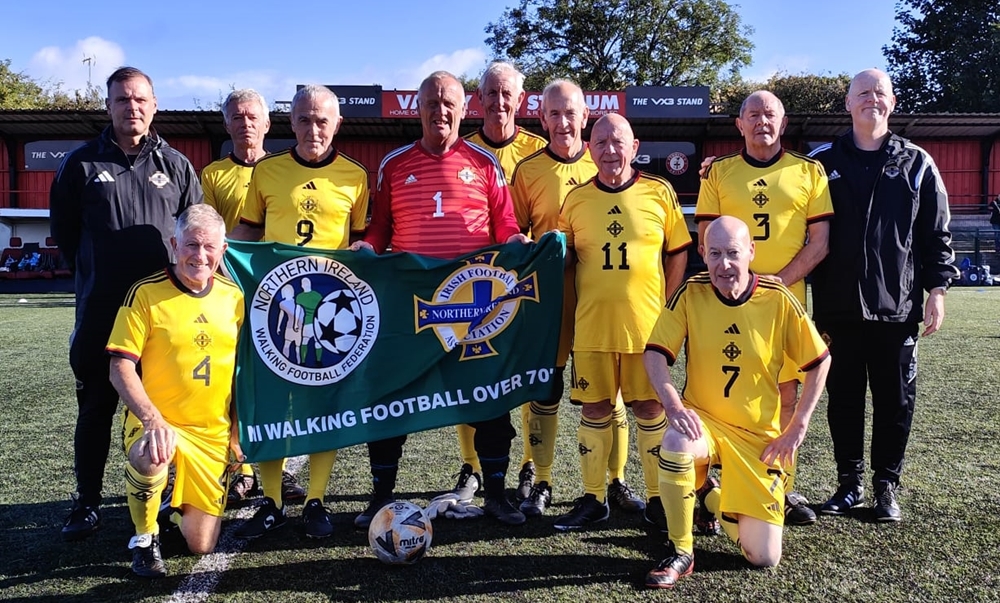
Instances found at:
x=181 y=324
x=738 y=329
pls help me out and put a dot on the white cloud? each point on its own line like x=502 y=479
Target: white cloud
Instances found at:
x=469 y=61
x=191 y=90
x=792 y=64
x=66 y=66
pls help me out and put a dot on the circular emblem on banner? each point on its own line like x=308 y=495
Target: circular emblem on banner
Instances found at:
x=677 y=163
x=313 y=320
x=474 y=304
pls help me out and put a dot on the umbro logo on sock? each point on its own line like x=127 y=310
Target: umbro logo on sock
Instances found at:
x=614 y=211
x=104 y=177
x=733 y=329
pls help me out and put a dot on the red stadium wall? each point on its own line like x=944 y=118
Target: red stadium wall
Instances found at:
x=197 y=150
x=716 y=148
x=994 y=172
x=32 y=186
x=4 y=175
x=960 y=164
x=369 y=153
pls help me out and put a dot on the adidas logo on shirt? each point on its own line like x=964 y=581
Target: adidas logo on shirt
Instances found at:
x=733 y=329
x=201 y=319
x=411 y=179
x=760 y=182
x=104 y=177
x=833 y=175
x=310 y=186
x=614 y=211
x=572 y=182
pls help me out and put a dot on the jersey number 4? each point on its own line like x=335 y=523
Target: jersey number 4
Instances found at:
x=203 y=371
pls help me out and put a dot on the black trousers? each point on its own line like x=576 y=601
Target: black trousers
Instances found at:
x=97 y=402
x=492 y=443
x=881 y=356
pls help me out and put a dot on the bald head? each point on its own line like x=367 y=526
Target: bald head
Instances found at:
x=728 y=253
x=870 y=101
x=613 y=147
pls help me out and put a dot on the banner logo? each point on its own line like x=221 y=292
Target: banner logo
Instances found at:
x=473 y=305
x=313 y=320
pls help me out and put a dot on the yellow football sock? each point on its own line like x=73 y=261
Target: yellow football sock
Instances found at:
x=544 y=428
x=527 y=456
x=595 y=437
x=619 y=447
x=246 y=469
x=270 y=480
x=729 y=525
x=467 y=445
x=677 y=476
x=144 y=498
x=320 y=466
x=648 y=436
x=790 y=473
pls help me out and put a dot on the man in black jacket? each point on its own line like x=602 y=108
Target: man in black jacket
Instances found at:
x=113 y=204
x=889 y=243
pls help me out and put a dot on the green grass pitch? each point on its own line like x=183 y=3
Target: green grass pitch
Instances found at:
x=946 y=549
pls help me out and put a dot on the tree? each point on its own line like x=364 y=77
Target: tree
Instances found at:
x=21 y=91
x=945 y=56
x=611 y=44
x=803 y=93
x=17 y=90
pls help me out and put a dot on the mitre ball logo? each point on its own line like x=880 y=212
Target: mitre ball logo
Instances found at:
x=313 y=320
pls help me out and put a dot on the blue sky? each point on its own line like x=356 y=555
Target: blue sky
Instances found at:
x=196 y=51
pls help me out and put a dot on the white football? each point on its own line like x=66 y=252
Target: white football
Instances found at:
x=338 y=321
x=400 y=533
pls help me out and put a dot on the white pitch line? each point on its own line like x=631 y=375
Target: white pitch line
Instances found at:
x=205 y=574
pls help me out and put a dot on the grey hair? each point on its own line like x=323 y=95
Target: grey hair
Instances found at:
x=243 y=95
x=199 y=217
x=746 y=101
x=562 y=82
x=499 y=69
x=314 y=91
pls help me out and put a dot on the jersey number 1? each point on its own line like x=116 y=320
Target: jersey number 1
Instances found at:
x=623 y=248
x=438 y=213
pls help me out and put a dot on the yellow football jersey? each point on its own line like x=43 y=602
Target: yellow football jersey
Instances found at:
x=735 y=348
x=186 y=344
x=777 y=200
x=619 y=236
x=225 y=183
x=306 y=204
x=539 y=186
x=509 y=152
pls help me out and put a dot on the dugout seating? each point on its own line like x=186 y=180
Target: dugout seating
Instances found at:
x=30 y=261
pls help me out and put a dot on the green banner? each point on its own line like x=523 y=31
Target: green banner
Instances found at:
x=341 y=347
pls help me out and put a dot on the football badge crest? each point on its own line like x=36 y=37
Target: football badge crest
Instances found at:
x=313 y=320
x=474 y=304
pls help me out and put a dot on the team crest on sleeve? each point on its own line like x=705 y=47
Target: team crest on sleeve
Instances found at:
x=313 y=320
x=474 y=304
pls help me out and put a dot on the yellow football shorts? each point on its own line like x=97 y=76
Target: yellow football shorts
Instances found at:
x=201 y=461
x=749 y=487
x=599 y=376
